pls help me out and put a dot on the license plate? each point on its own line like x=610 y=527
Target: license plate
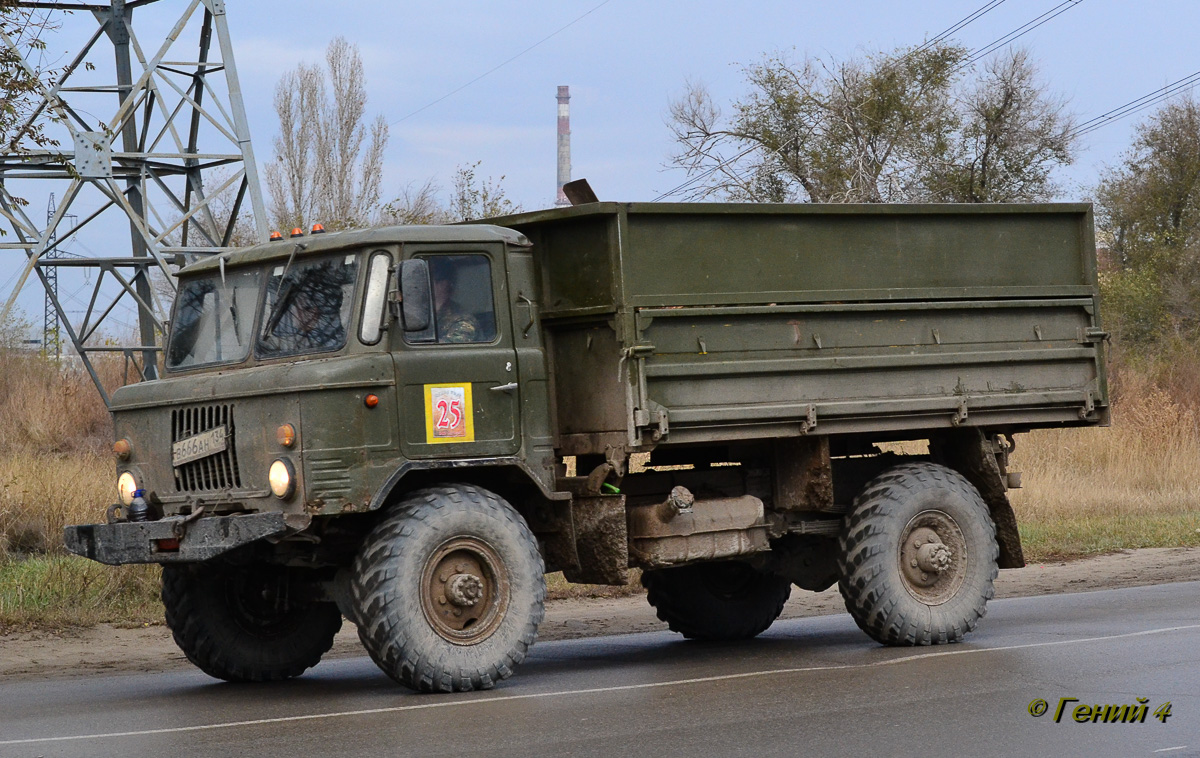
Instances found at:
x=199 y=446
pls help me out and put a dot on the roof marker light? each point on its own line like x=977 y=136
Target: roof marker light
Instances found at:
x=318 y=229
x=276 y=236
x=297 y=232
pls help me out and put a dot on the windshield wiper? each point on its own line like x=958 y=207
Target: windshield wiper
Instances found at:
x=283 y=295
x=283 y=298
x=233 y=314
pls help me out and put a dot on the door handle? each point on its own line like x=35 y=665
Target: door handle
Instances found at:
x=532 y=318
x=504 y=387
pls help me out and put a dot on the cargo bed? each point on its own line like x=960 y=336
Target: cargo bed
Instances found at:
x=691 y=323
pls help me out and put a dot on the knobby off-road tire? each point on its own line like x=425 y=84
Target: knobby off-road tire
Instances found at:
x=727 y=600
x=918 y=556
x=235 y=624
x=449 y=590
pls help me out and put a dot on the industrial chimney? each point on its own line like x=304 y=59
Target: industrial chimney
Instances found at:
x=564 y=143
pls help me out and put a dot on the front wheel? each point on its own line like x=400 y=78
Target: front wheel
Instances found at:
x=725 y=600
x=917 y=557
x=449 y=590
x=247 y=623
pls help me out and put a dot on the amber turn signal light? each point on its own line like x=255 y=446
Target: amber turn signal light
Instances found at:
x=371 y=401
x=122 y=449
x=286 y=435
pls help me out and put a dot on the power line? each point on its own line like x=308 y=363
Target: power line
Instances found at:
x=978 y=13
x=504 y=63
x=1136 y=106
x=1019 y=32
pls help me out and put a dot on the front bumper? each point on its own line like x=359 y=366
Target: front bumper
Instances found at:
x=202 y=539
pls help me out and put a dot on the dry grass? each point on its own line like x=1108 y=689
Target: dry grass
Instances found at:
x=55 y=464
x=1136 y=484
x=41 y=492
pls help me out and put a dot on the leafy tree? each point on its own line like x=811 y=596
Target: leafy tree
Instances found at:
x=328 y=164
x=1148 y=214
x=1008 y=135
x=474 y=198
x=908 y=126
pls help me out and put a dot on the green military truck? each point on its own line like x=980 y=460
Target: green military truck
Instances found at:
x=409 y=426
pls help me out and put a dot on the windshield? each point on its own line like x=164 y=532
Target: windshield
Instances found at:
x=307 y=308
x=214 y=320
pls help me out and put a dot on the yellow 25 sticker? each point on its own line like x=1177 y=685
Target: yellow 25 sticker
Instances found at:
x=449 y=416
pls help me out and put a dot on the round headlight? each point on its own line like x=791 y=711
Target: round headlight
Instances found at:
x=126 y=486
x=282 y=477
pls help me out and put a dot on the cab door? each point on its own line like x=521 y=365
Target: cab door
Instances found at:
x=460 y=395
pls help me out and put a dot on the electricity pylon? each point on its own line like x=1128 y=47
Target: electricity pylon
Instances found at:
x=171 y=161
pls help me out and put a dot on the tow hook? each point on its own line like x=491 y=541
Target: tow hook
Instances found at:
x=180 y=527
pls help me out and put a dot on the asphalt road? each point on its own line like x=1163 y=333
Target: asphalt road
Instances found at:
x=813 y=686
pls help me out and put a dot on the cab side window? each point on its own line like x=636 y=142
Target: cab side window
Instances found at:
x=462 y=298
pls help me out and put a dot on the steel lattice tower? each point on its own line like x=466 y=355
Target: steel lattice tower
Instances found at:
x=175 y=138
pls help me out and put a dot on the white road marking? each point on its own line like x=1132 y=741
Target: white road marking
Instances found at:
x=1171 y=749
x=598 y=690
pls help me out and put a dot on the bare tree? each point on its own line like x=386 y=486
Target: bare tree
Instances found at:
x=328 y=165
x=884 y=128
x=471 y=198
x=416 y=205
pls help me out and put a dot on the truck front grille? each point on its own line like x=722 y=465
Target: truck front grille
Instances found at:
x=218 y=471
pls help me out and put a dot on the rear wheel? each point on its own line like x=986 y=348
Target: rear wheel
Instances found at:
x=727 y=600
x=247 y=623
x=449 y=590
x=918 y=556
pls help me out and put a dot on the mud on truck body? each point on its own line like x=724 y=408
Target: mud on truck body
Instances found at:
x=410 y=426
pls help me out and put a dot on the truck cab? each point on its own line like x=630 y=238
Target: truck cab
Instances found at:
x=292 y=385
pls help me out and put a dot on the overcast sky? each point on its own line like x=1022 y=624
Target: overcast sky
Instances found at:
x=625 y=59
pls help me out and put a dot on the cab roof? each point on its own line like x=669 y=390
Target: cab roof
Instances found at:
x=316 y=244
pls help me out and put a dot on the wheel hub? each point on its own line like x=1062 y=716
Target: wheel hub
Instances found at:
x=933 y=558
x=464 y=590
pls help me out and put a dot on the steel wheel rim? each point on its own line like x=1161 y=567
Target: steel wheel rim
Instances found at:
x=464 y=590
x=933 y=557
